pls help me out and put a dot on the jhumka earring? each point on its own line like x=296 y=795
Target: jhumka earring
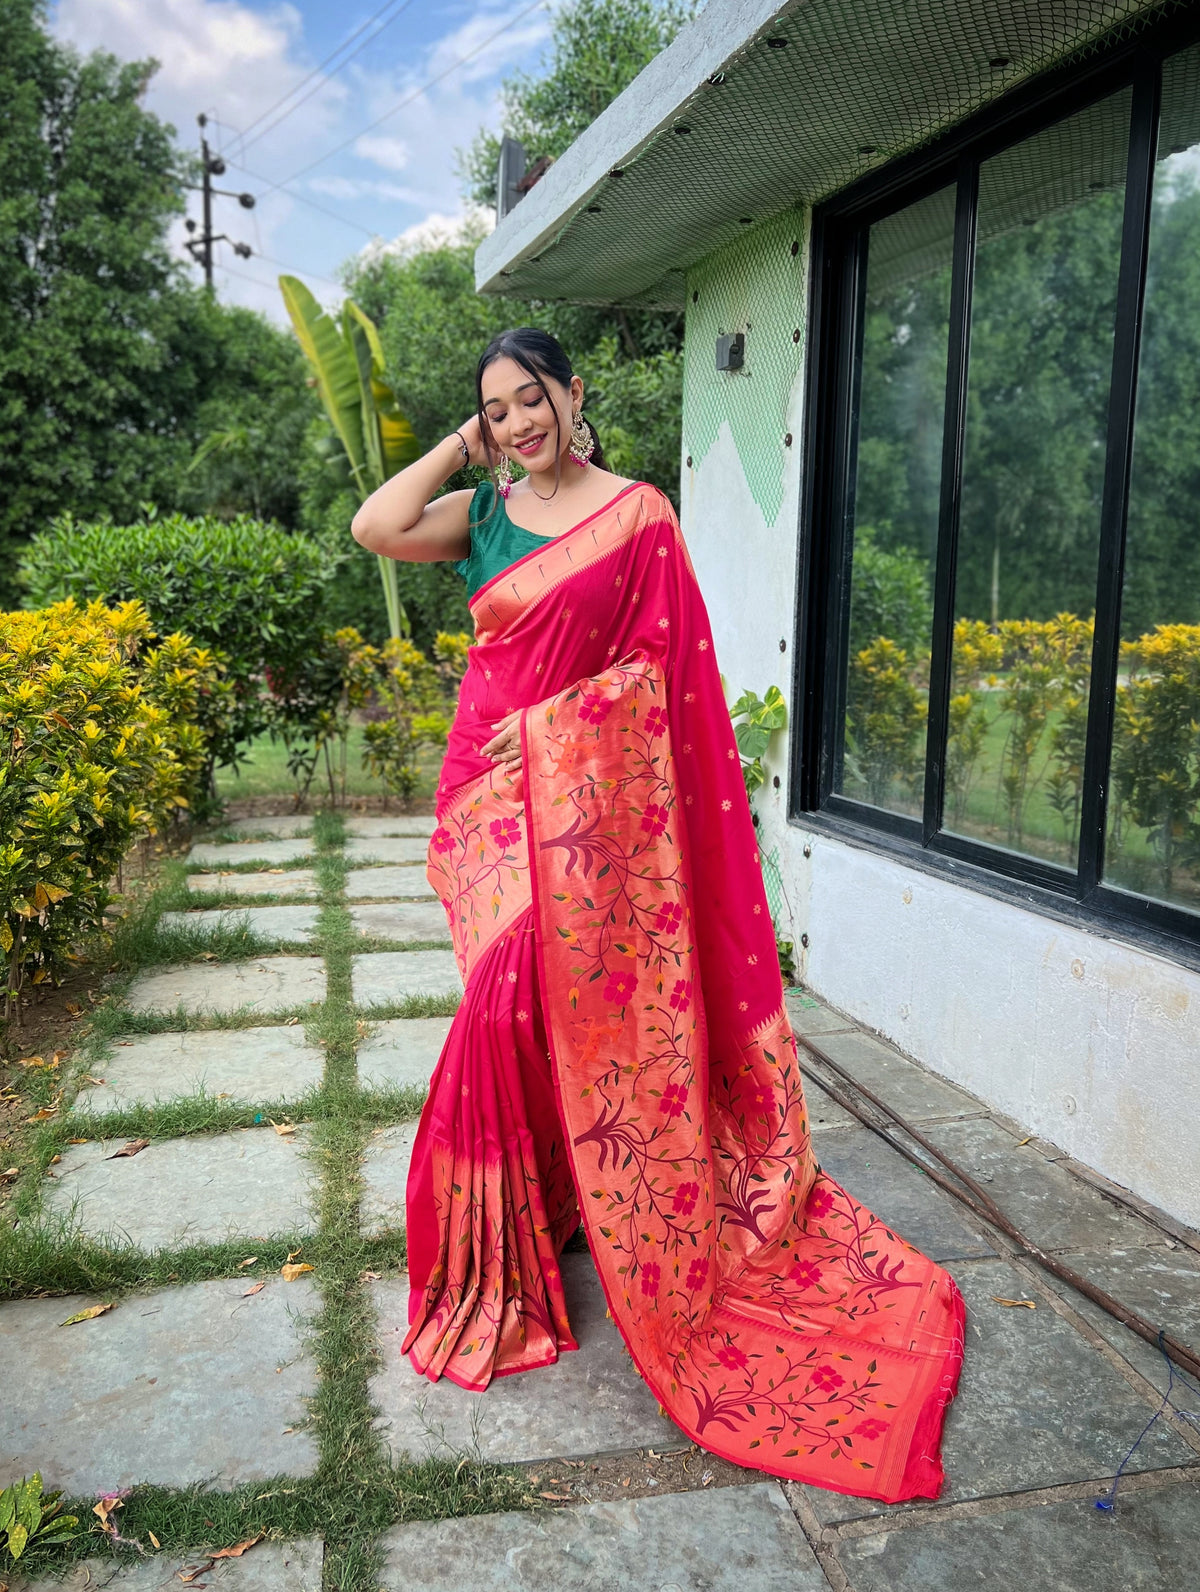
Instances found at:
x=504 y=475
x=583 y=443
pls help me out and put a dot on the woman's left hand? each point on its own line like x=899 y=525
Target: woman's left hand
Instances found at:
x=505 y=746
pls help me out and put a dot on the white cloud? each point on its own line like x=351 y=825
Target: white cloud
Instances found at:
x=468 y=225
x=390 y=153
x=235 y=59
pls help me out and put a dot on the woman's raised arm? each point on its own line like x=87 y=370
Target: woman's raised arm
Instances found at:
x=399 y=521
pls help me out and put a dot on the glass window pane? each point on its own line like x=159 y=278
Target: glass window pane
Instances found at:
x=1042 y=321
x=895 y=504
x=1153 y=841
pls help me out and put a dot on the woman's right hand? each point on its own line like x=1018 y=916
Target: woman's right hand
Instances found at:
x=470 y=432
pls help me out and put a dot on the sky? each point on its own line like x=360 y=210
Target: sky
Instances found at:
x=368 y=136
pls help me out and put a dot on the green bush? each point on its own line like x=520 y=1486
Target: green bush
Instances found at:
x=252 y=593
x=889 y=596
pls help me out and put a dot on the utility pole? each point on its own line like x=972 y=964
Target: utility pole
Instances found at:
x=201 y=248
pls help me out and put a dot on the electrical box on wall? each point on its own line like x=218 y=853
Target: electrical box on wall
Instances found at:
x=731 y=351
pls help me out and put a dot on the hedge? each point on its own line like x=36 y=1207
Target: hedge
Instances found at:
x=248 y=590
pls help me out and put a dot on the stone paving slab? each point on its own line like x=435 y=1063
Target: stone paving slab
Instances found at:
x=907 y=1088
x=236 y=853
x=381 y=976
x=275 y=826
x=1164 y=1286
x=590 y=1402
x=899 y=1195
x=385 y=884
x=183 y=1385
x=402 y=1052
x=812 y=1016
x=265 y=984
x=401 y=920
x=278 y=882
x=385 y=1177
x=732 y=1539
x=1050 y=1206
x=196 y=1190
x=381 y=849
x=240 y=1064
x=824 y=1112
x=1149 y=1543
x=401 y=824
x=271 y=1567
x=296 y=924
x=1037 y=1406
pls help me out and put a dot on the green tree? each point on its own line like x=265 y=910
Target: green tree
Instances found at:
x=88 y=183
x=597 y=49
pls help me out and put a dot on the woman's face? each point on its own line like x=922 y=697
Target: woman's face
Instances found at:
x=521 y=410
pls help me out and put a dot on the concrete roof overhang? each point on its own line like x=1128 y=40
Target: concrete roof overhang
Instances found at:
x=757 y=107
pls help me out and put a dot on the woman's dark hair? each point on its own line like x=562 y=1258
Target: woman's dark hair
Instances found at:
x=540 y=356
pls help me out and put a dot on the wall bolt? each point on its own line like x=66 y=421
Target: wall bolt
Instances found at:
x=804 y=941
x=808 y=850
x=787 y=441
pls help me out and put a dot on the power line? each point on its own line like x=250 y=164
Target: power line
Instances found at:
x=304 y=200
x=245 y=142
x=406 y=100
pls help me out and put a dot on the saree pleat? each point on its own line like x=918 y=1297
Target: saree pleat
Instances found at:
x=623 y=1044
x=486 y=1296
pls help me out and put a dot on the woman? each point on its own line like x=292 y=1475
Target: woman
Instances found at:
x=622 y=1052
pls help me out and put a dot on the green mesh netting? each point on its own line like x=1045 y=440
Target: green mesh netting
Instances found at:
x=855 y=85
x=755 y=286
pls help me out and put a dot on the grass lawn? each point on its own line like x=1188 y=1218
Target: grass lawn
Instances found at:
x=263 y=771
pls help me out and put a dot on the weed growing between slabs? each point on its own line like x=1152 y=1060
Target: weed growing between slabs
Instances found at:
x=356 y=1491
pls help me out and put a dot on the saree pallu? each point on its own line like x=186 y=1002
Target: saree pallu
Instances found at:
x=622 y=1053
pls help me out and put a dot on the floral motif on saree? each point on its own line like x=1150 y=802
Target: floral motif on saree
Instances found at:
x=623 y=1043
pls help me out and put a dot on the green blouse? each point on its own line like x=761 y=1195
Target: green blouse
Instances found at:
x=495 y=541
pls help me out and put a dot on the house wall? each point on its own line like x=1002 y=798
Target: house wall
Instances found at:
x=1092 y=1042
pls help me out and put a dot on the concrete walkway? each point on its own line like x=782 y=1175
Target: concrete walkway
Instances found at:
x=207 y=1382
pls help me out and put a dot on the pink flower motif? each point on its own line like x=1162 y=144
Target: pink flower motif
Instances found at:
x=505 y=831
x=620 y=987
x=820 y=1202
x=685 y=1197
x=697 y=1273
x=870 y=1429
x=731 y=1357
x=681 y=995
x=670 y=916
x=650 y=1278
x=826 y=1378
x=805 y=1274
x=674 y=1098
x=656 y=722
x=442 y=840
x=654 y=819
x=594 y=709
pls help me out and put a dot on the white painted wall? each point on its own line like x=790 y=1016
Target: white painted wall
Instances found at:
x=1092 y=1043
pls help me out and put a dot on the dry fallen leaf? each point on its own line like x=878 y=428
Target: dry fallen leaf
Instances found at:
x=370 y=1276
x=75 y=1010
x=1020 y=1142
x=86 y=1315
x=250 y=1260
x=283 y=1128
x=562 y=1498
x=1018 y=1304
x=236 y=1552
x=124 y=1041
x=293 y=1253
x=31 y=1061
x=253 y=1289
x=154 y=1539
x=79 y=1141
x=290 y=1273
x=106 y=1507
x=9 y=1173
x=46 y=1111
x=134 y=1147
x=291 y=1022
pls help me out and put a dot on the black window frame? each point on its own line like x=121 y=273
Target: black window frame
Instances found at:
x=837 y=282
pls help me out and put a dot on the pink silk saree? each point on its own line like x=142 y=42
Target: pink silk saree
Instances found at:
x=622 y=1053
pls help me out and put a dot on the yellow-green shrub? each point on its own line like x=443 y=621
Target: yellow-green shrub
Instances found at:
x=98 y=744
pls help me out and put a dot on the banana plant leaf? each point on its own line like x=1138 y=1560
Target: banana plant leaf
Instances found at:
x=336 y=371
